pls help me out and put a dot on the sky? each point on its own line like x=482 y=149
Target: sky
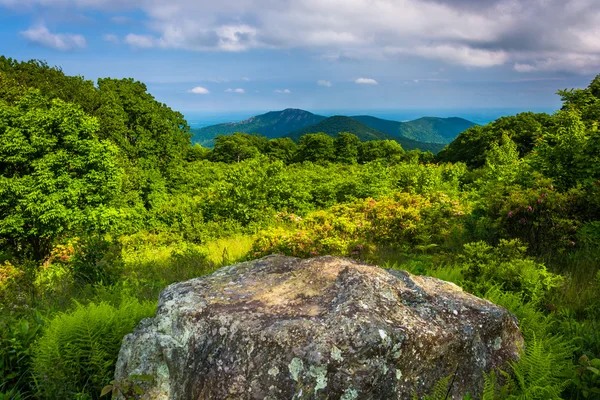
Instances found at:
x=244 y=55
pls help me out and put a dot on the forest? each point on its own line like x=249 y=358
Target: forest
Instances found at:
x=104 y=201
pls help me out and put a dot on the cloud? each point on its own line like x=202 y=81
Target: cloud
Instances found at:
x=246 y=79
x=561 y=62
x=524 y=67
x=324 y=83
x=141 y=41
x=366 y=81
x=199 y=90
x=547 y=35
x=285 y=91
x=63 y=42
x=110 y=38
x=462 y=55
x=238 y=90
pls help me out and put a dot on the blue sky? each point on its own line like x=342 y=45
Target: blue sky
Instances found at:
x=247 y=55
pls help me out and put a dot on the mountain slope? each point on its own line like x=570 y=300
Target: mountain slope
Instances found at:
x=273 y=124
x=333 y=125
x=426 y=129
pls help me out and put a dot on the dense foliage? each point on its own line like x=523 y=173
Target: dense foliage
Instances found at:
x=104 y=202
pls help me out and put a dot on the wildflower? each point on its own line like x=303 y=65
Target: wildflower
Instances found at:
x=530 y=209
x=572 y=243
x=510 y=213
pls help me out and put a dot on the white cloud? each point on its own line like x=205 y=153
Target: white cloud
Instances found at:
x=366 y=81
x=324 y=83
x=238 y=90
x=524 y=67
x=63 y=42
x=110 y=38
x=246 y=79
x=285 y=91
x=546 y=35
x=141 y=41
x=199 y=90
x=462 y=55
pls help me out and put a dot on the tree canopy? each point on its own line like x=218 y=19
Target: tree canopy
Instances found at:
x=55 y=172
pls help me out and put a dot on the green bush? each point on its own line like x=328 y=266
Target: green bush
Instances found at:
x=17 y=335
x=78 y=350
x=506 y=265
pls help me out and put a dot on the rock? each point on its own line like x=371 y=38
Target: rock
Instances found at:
x=324 y=328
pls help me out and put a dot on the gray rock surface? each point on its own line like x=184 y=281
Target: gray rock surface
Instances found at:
x=324 y=328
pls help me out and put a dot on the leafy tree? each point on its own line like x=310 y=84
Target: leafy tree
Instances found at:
x=316 y=147
x=346 y=148
x=197 y=152
x=283 y=149
x=379 y=149
x=153 y=139
x=238 y=147
x=560 y=151
x=586 y=101
x=54 y=172
x=472 y=145
x=502 y=162
x=10 y=89
x=52 y=82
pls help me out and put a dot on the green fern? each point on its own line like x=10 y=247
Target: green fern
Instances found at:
x=440 y=391
x=539 y=373
x=78 y=350
x=541 y=370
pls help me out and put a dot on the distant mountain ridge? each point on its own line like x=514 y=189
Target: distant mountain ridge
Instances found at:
x=273 y=124
x=425 y=129
x=333 y=125
x=339 y=123
x=427 y=133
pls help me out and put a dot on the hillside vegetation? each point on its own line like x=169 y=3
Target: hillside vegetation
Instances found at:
x=425 y=134
x=426 y=129
x=273 y=124
x=104 y=201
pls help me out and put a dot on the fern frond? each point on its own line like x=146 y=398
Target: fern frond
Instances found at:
x=78 y=350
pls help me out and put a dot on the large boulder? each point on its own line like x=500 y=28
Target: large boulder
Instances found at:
x=324 y=328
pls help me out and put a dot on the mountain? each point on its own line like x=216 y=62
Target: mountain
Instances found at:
x=427 y=133
x=273 y=124
x=333 y=125
x=426 y=129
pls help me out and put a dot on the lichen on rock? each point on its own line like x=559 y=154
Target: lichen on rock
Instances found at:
x=282 y=327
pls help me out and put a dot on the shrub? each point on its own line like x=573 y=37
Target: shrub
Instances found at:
x=17 y=335
x=540 y=217
x=11 y=279
x=354 y=229
x=77 y=352
x=506 y=265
